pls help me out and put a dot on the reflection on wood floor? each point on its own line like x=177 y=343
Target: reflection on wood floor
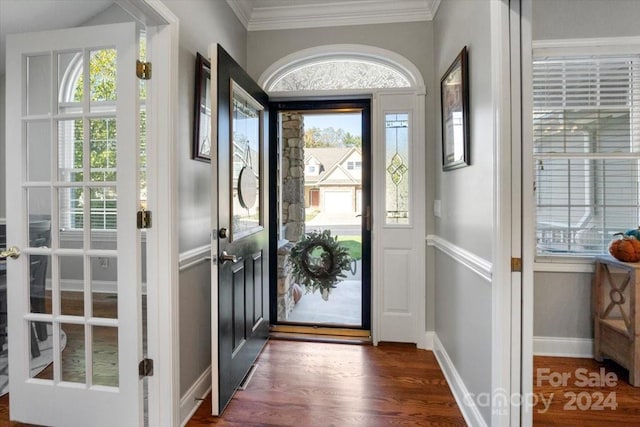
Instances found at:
x=320 y=384
x=105 y=341
x=583 y=393
x=303 y=383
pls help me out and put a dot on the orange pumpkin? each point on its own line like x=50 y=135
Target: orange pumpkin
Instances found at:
x=625 y=248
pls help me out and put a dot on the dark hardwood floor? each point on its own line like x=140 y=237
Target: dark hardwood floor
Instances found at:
x=589 y=397
x=325 y=384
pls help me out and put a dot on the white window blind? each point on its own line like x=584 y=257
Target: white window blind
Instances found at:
x=586 y=128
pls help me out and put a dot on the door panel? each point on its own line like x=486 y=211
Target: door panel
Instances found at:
x=242 y=283
x=399 y=266
x=73 y=217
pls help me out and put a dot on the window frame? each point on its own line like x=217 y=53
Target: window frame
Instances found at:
x=106 y=110
x=578 y=262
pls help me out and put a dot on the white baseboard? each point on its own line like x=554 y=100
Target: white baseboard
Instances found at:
x=464 y=399
x=199 y=390
x=563 y=347
x=425 y=342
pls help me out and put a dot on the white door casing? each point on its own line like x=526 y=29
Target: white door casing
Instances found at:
x=398 y=300
x=92 y=404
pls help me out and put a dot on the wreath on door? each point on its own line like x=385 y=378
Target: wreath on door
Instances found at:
x=318 y=262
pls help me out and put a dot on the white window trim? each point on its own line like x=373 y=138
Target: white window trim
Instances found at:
x=568 y=47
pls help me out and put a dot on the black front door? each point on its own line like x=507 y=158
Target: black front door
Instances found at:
x=243 y=224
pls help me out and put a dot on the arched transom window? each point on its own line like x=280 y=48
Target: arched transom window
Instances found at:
x=340 y=67
x=340 y=74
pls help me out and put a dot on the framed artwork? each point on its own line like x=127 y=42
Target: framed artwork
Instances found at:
x=454 y=104
x=202 y=111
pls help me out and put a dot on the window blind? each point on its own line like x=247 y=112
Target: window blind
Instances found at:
x=586 y=141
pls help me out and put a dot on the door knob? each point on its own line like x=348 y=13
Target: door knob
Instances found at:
x=225 y=257
x=12 y=252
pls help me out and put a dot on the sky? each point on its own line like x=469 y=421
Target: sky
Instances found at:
x=350 y=122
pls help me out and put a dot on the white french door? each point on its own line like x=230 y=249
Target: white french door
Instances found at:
x=74 y=292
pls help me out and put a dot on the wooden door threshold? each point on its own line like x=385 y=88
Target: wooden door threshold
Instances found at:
x=321 y=334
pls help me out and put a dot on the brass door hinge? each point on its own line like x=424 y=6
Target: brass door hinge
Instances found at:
x=516 y=264
x=145 y=368
x=144 y=219
x=143 y=70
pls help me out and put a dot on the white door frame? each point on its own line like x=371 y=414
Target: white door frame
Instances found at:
x=162 y=242
x=418 y=207
x=528 y=207
x=506 y=329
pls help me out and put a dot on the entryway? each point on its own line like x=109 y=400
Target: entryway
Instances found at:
x=324 y=183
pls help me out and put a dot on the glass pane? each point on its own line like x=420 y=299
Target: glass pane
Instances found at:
x=247 y=143
x=105 y=356
x=72 y=359
x=102 y=76
x=41 y=350
x=397 y=165
x=104 y=282
x=71 y=205
x=143 y=157
x=71 y=285
x=70 y=154
x=70 y=82
x=39 y=272
x=38 y=151
x=339 y=74
x=103 y=149
x=103 y=217
x=38 y=84
x=39 y=206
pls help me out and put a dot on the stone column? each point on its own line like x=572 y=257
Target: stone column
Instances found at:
x=293 y=176
x=293 y=213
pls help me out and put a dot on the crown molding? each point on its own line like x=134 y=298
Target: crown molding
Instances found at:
x=242 y=9
x=334 y=13
x=433 y=7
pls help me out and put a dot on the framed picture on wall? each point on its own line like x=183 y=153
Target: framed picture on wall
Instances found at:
x=454 y=104
x=202 y=111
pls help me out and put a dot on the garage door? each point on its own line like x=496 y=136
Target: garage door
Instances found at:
x=337 y=201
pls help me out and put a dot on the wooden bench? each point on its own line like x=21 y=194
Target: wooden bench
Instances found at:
x=616 y=293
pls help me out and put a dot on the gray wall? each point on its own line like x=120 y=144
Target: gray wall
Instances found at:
x=2 y=149
x=462 y=298
x=562 y=301
x=202 y=22
x=412 y=40
x=562 y=304
x=574 y=19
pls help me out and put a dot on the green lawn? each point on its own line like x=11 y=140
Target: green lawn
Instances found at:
x=353 y=244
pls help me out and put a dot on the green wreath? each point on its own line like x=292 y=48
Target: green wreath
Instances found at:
x=318 y=262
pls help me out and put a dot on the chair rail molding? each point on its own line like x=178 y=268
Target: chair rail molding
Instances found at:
x=192 y=257
x=477 y=264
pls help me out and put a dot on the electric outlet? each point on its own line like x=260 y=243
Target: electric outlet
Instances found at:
x=437 y=207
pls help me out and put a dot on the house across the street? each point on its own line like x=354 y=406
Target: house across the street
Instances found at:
x=333 y=179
